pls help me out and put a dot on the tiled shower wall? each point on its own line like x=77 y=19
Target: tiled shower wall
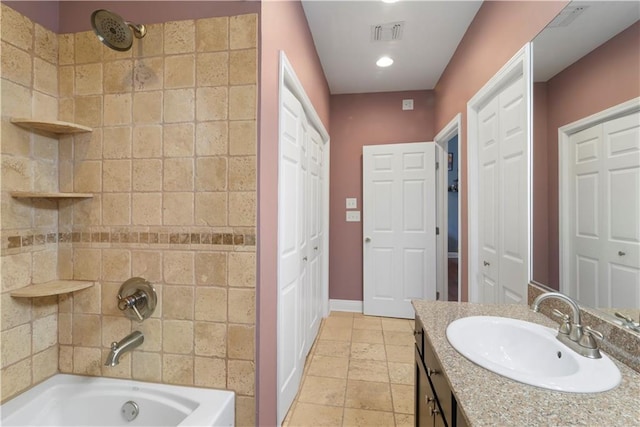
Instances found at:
x=171 y=163
x=29 y=226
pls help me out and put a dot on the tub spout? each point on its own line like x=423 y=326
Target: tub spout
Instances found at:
x=128 y=343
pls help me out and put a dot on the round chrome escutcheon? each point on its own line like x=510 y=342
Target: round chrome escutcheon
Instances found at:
x=130 y=410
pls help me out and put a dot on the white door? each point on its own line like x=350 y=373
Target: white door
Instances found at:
x=399 y=225
x=503 y=197
x=604 y=267
x=488 y=202
x=315 y=233
x=291 y=240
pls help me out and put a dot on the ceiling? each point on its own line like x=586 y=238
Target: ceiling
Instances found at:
x=577 y=30
x=342 y=32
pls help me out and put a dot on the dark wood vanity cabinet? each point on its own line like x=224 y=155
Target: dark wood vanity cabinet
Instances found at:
x=435 y=404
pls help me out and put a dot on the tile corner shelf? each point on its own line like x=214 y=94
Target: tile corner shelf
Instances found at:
x=55 y=287
x=53 y=195
x=51 y=126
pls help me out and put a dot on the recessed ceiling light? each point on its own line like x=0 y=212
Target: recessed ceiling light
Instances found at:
x=389 y=1
x=384 y=61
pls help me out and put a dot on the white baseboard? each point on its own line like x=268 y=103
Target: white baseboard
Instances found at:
x=345 y=305
x=452 y=255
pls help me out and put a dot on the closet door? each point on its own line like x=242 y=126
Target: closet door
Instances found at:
x=502 y=202
x=291 y=246
x=605 y=203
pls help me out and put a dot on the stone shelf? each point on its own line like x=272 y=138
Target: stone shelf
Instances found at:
x=55 y=287
x=51 y=126
x=43 y=195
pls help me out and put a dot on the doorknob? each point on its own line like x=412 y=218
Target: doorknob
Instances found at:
x=620 y=253
x=304 y=258
x=367 y=239
x=486 y=263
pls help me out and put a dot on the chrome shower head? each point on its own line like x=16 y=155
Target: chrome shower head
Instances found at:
x=115 y=32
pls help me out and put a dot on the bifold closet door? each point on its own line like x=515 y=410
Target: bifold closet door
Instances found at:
x=604 y=191
x=300 y=251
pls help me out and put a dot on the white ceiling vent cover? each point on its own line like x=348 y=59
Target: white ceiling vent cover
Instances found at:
x=387 y=32
x=567 y=16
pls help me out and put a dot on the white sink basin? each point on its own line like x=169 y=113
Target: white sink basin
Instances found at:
x=531 y=354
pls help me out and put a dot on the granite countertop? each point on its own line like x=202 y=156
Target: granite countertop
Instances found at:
x=488 y=399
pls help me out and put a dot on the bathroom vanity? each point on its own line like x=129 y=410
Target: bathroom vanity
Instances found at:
x=452 y=391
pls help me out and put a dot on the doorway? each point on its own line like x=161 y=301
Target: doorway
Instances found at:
x=453 y=214
x=450 y=211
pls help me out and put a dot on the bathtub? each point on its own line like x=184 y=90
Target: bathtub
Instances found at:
x=72 y=400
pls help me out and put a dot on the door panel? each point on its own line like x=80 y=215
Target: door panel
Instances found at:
x=399 y=258
x=488 y=202
x=605 y=205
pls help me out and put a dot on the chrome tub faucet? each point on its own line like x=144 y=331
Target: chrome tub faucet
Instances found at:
x=128 y=343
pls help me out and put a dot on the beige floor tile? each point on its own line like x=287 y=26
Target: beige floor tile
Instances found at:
x=338 y=322
x=306 y=414
x=335 y=333
x=366 y=351
x=341 y=314
x=402 y=373
x=389 y=324
x=403 y=398
x=404 y=420
x=325 y=366
x=361 y=417
x=368 y=370
x=371 y=323
x=399 y=338
x=333 y=348
x=368 y=395
x=323 y=391
x=367 y=335
x=400 y=353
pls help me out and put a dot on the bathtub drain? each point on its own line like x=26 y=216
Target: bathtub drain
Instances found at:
x=130 y=410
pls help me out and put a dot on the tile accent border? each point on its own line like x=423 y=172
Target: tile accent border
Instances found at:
x=234 y=238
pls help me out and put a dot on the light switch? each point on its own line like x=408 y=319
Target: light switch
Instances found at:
x=353 y=216
x=352 y=203
x=407 y=104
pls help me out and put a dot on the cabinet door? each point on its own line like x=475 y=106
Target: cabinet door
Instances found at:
x=424 y=396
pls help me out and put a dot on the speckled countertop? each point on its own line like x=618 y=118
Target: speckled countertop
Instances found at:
x=488 y=399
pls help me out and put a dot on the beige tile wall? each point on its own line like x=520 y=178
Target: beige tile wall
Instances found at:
x=172 y=165
x=28 y=337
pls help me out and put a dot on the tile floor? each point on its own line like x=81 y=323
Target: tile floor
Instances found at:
x=359 y=372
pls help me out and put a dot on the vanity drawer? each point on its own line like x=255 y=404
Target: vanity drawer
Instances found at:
x=439 y=382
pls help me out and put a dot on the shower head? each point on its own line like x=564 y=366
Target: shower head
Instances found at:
x=115 y=32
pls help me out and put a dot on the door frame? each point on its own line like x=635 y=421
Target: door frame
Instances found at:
x=564 y=170
x=519 y=64
x=288 y=79
x=453 y=128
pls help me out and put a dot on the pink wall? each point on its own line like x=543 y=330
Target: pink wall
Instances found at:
x=498 y=31
x=606 y=77
x=295 y=39
x=74 y=16
x=358 y=120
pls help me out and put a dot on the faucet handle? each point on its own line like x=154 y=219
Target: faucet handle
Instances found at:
x=565 y=327
x=588 y=337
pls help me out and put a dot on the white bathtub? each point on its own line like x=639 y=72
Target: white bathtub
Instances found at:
x=71 y=400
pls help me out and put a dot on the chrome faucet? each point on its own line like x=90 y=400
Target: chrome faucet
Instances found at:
x=571 y=332
x=128 y=343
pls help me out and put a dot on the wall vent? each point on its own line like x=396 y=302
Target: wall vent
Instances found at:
x=387 y=32
x=567 y=16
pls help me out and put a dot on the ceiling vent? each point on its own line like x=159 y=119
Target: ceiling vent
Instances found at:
x=387 y=32
x=567 y=16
